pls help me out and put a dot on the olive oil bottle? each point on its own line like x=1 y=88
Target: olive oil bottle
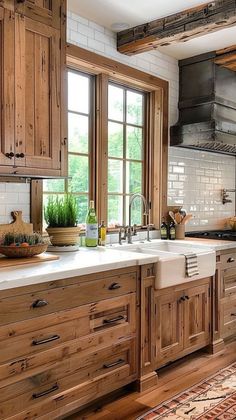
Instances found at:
x=91 y=235
x=102 y=231
x=172 y=231
x=164 y=230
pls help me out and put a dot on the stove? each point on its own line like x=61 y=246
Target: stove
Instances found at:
x=227 y=235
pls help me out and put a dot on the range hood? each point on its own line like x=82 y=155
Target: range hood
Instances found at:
x=207 y=106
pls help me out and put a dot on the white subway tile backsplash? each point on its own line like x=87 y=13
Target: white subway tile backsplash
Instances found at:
x=205 y=174
x=14 y=196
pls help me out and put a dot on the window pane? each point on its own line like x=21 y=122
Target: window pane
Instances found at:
x=115 y=210
x=115 y=140
x=54 y=185
x=82 y=208
x=134 y=143
x=78 y=169
x=78 y=133
x=115 y=103
x=115 y=176
x=133 y=177
x=136 y=211
x=134 y=108
x=78 y=92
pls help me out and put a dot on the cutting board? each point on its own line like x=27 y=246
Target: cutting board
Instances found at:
x=10 y=262
x=17 y=225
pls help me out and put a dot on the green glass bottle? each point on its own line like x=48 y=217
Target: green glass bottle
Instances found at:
x=91 y=235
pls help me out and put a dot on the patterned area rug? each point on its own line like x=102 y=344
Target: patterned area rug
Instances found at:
x=212 y=399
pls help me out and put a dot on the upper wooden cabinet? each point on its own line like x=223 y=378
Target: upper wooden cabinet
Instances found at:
x=45 y=11
x=37 y=94
x=7 y=144
x=33 y=66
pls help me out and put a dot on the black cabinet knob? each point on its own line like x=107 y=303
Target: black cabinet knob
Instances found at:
x=20 y=155
x=10 y=155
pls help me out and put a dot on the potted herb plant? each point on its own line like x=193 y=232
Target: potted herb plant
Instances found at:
x=61 y=217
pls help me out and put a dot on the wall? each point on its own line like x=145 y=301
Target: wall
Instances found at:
x=100 y=40
x=195 y=182
x=14 y=196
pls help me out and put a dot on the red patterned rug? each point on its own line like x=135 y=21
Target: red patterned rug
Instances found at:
x=212 y=399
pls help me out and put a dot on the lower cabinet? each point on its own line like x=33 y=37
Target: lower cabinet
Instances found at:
x=67 y=343
x=182 y=321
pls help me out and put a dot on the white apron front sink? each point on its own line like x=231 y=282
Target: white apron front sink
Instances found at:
x=170 y=265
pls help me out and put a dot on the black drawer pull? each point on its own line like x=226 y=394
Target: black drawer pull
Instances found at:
x=112 y=320
x=109 y=365
x=229 y=260
x=114 y=286
x=45 y=340
x=233 y=314
x=182 y=299
x=39 y=303
x=186 y=297
x=48 y=391
x=20 y=155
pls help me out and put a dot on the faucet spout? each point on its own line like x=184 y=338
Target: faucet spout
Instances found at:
x=145 y=205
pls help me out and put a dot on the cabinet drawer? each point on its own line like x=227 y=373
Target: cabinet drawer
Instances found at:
x=78 y=375
x=228 y=318
x=228 y=260
x=97 y=325
x=229 y=281
x=31 y=305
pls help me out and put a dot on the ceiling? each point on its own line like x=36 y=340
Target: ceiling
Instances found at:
x=136 y=12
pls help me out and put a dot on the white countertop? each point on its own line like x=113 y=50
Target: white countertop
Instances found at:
x=71 y=264
x=88 y=261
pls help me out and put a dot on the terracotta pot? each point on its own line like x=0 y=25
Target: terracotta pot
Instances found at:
x=62 y=236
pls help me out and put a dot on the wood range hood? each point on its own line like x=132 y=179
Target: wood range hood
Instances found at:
x=207 y=104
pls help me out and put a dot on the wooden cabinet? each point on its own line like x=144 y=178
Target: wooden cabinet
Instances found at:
x=197 y=316
x=7 y=143
x=44 y=11
x=37 y=94
x=182 y=320
x=175 y=321
x=33 y=141
x=169 y=325
x=225 y=293
x=67 y=343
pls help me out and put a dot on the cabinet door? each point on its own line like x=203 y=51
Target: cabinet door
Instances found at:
x=6 y=87
x=197 y=316
x=169 y=326
x=44 y=11
x=37 y=93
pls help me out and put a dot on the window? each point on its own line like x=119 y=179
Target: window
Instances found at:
x=80 y=143
x=117 y=140
x=126 y=111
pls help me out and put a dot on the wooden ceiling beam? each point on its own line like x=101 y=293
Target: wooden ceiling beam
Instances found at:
x=227 y=57
x=180 y=27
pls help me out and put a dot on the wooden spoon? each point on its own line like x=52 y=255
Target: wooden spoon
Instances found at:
x=172 y=215
x=178 y=218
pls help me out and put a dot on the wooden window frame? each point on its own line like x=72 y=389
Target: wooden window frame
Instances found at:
x=108 y=70
x=124 y=159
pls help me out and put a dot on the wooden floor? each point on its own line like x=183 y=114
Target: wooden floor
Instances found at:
x=172 y=380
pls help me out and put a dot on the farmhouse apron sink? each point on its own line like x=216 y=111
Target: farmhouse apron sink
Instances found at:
x=171 y=264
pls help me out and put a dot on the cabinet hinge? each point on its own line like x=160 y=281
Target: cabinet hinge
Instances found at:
x=59 y=43
x=209 y=292
x=60 y=156
x=155 y=309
